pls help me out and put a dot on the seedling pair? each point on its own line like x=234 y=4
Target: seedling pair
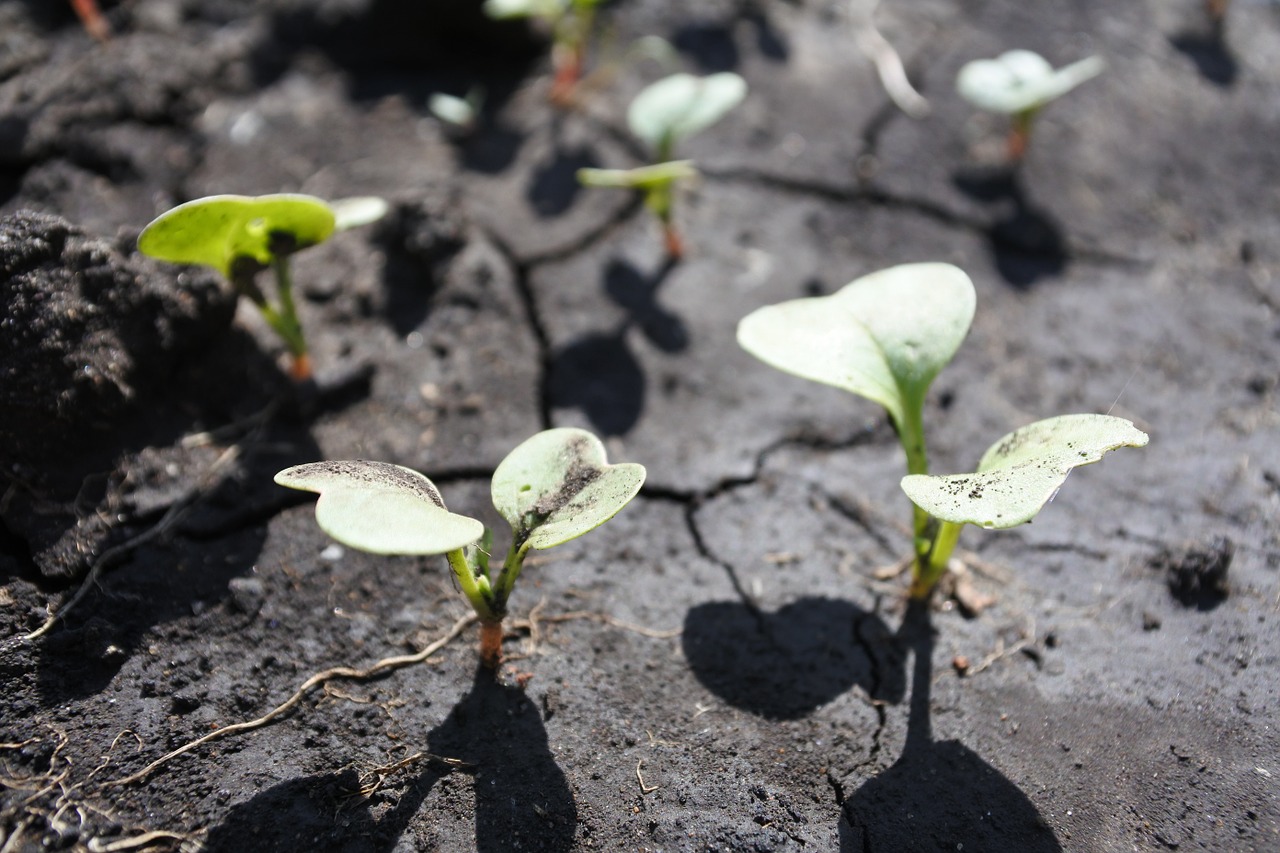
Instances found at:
x=662 y=115
x=571 y=23
x=1019 y=84
x=885 y=337
x=554 y=487
x=239 y=236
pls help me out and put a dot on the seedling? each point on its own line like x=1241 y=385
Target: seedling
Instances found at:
x=461 y=114
x=554 y=487
x=240 y=236
x=885 y=337
x=662 y=115
x=571 y=23
x=1019 y=84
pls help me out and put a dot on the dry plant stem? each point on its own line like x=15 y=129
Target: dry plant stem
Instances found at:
x=381 y=667
x=1217 y=9
x=91 y=17
x=491 y=643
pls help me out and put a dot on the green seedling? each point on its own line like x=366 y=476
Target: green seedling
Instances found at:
x=554 y=487
x=885 y=337
x=571 y=23
x=1019 y=84
x=461 y=114
x=662 y=115
x=239 y=236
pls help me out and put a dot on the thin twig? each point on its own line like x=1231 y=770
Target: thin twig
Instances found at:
x=381 y=667
x=644 y=789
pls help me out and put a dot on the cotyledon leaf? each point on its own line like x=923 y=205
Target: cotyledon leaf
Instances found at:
x=557 y=486
x=216 y=230
x=381 y=508
x=883 y=336
x=681 y=105
x=1021 y=472
x=1021 y=80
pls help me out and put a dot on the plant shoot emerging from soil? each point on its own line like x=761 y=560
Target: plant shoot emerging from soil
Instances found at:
x=240 y=236
x=554 y=487
x=571 y=23
x=885 y=337
x=663 y=114
x=1019 y=84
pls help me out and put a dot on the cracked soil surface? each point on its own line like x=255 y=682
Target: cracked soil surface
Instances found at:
x=722 y=667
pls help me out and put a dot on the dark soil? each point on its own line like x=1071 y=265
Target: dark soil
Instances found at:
x=722 y=666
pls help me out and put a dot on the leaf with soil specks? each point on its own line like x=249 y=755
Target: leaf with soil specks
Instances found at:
x=381 y=508
x=557 y=486
x=1021 y=472
x=216 y=230
x=884 y=336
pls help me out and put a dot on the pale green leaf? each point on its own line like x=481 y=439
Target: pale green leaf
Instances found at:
x=357 y=210
x=216 y=230
x=884 y=336
x=502 y=9
x=381 y=508
x=557 y=486
x=681 y=105
x=641 y=178
x=1021 y=472
x=1020 y=80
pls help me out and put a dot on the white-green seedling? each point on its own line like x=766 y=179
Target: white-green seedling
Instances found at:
x=1019 y=84
x=571 y=23
x=554 y=487
x=663 y=114
x=885 y=337
x=462 y=114
x=239 y=236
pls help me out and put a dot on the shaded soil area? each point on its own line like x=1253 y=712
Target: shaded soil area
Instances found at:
x=725 y=666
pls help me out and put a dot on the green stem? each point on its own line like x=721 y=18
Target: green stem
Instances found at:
x=911 y=435
x=476 y=589
x=930 y=568
x=286 y=321
x=507 y=575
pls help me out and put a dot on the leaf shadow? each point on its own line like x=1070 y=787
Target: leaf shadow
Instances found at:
x=1209 y=51
x=522 y=799
x=938 y=795
x=599 y=374
x=1025 y=241
x=786 y=664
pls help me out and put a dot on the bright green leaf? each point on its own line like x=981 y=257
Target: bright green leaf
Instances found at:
x=557 y=486
x=1021 y=472
x=681 y=105
x=216 y=230
x=381 y=508
x=884 y=336
x=1020 y=80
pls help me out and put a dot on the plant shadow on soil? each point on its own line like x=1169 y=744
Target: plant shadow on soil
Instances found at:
x=1026 y=243
x=599 y=374
x=522 y=799
x=1210 y=53
x=786 y=664
x=940 y=791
